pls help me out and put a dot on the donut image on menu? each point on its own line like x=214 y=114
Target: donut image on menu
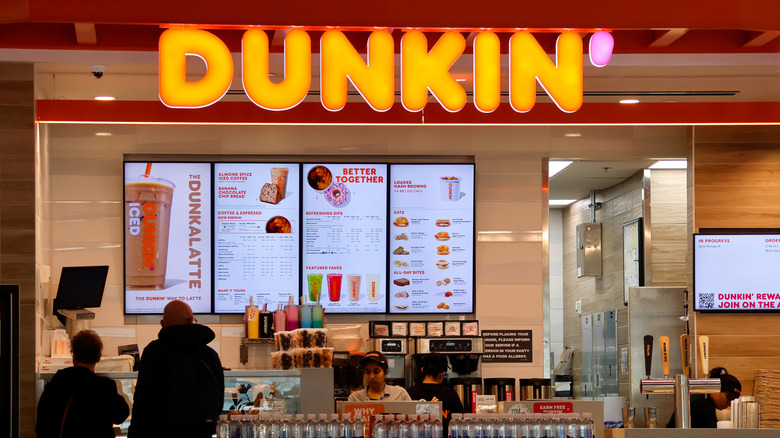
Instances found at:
x=278 y=224
x=319 y=178
x=337 y=195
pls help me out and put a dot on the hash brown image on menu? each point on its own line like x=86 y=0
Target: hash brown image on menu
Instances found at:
x=278 y=224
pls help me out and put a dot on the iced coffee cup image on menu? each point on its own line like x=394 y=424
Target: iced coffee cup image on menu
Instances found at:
x=450 y=188
x=147 y=223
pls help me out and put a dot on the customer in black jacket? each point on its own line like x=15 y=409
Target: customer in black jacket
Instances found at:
x=434 y=366
x=180 y=389
x=77 y=402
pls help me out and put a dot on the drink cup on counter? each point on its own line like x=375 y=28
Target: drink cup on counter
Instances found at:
x=315 y=286
x=629 y=415
x=279 y=177
x=334 y=287
x=373 y=284
x=450 y=188
x=353 y=282
x=147 y=223
x=651 y=417
x=317 y=316
x=305 y=313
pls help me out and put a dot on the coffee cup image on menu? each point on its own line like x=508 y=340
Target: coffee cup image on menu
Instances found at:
x=276 y=190
x=450 y=188
x=148 y=203
x=278 y=224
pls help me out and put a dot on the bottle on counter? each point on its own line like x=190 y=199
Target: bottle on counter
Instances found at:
x=280 y=319
x=358 y=427
x=292 y=315
x=223 y=427
x=322 y=426
x=251 y=320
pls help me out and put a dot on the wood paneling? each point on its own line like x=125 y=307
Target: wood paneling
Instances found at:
x=736 y=183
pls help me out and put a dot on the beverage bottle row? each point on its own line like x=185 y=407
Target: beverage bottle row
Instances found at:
x=521 y=426
x=288 y=426
x=406 y=426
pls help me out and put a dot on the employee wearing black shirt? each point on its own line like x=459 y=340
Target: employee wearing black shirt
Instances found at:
x=703 y=407
x=434 y=366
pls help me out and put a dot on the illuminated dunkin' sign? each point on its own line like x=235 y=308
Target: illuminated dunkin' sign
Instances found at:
x=422 y=70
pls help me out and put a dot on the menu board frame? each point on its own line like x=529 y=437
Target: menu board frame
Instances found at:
x=324 y=285
x=215 y=184
x=473 y=237
x=717 y=233
x=167 y=160
x=300 y=161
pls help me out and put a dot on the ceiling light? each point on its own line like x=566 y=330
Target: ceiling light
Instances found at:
x=670 y=164
x=105 y=98
x=560 y=202
x=572 y=134
x=103 y=134
x=629 y=100
x=557 y=166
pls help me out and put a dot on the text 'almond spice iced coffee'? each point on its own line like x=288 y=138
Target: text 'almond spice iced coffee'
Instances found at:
x=147 y=222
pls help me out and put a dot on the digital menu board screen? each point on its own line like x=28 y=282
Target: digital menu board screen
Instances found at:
x=431 y=238
x=256 y=235
x=737 y=272
x=344 y=236
x=167 y=235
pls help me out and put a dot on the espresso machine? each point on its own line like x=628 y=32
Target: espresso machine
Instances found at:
x=399 y=352
x=465 y=365
x=464 y=355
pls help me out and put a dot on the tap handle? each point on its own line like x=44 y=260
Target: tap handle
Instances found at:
x=648 y=353
x=664 y=345
x=704 y=352
x=684 y=352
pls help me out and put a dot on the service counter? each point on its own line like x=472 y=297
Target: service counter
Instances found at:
x=692 y=433
x=305 y=391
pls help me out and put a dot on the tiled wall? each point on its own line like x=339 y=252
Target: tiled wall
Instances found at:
x=17 y=216
x=619 y=204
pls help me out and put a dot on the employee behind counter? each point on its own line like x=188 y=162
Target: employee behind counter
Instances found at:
x=703 y=407
x=375 y=371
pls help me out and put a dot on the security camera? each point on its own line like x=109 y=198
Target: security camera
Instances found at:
x=97 y=71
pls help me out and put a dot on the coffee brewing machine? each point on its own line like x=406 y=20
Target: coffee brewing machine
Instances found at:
x=399 y=353
x=464 y=355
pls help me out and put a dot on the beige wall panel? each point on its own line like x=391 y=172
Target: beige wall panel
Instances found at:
x=669 y=233
x=744 y=324
x=754 y=195
x=738 y=217
x=737 y=173
x=668 y=253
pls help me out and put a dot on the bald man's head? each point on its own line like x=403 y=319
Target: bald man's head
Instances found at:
x=177 y=313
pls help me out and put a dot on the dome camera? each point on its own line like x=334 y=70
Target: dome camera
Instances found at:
x=97 y=71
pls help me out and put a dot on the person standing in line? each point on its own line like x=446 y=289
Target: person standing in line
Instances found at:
x=181 y=385
x=434 y=367
x=77 y=402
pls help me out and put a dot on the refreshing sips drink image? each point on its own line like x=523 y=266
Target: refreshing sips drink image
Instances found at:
x=334 y=287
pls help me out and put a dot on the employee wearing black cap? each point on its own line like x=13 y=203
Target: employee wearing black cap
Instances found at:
x=375 y=372
x=703 y=408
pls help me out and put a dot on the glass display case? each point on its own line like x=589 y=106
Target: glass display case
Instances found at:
x=305 y=391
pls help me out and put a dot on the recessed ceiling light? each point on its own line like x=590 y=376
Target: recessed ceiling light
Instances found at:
x=560 y=202
x=556 y=166
x=572 y=134
x=629 y=100
x=105 y=98
x=670 y=164
x=103 y=134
